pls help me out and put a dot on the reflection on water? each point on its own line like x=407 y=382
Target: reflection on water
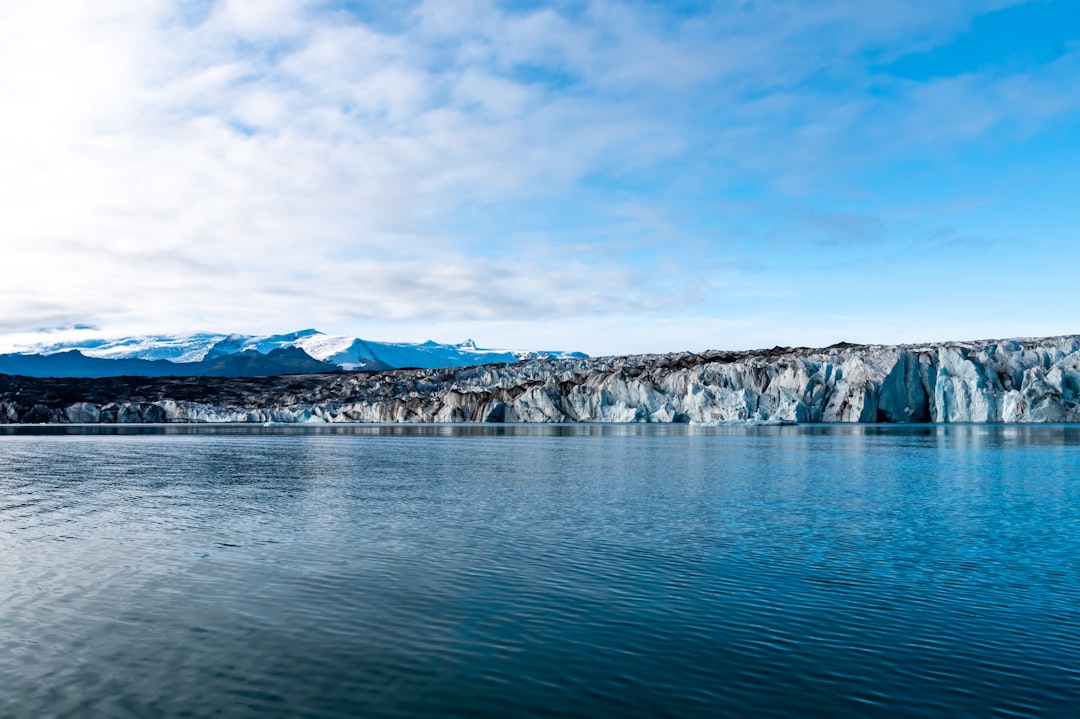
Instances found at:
x=524 y=570
x=1062 y=434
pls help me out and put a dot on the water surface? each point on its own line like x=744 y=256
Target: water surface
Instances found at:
x=493 y=571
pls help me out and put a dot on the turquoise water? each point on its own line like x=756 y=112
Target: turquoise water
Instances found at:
x=494 y=571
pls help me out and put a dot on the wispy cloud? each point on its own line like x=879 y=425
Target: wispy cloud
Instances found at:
x=253 y=165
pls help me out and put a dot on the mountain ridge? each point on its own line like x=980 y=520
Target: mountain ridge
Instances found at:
x=73 y=363
x=343 y=351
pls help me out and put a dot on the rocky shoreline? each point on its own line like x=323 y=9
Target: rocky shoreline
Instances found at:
x=1019 y=380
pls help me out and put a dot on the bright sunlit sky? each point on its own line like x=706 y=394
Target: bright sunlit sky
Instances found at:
x=605 y=176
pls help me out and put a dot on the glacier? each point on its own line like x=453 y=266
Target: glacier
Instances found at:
x=1016 y=380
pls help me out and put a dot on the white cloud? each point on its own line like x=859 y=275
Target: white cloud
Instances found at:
x=258 y=165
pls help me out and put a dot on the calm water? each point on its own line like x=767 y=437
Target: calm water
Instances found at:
x=543 y=571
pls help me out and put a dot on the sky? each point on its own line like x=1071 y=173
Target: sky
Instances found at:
x=602 y=176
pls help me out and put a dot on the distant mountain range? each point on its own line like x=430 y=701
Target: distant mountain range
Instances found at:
x=235 y=355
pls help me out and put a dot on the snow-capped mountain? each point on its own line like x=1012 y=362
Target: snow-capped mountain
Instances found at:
x=174 y=348
x=349 y=353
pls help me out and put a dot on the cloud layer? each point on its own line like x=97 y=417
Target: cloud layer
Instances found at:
x=256 y=166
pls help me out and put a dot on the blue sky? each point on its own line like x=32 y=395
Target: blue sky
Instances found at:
x=602 y=176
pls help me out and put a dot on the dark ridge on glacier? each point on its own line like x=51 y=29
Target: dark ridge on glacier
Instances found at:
x=1015 y=380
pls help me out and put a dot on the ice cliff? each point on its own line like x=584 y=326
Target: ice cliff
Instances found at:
x=1024 y=380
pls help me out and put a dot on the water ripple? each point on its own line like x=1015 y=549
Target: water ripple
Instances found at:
x=766 y=572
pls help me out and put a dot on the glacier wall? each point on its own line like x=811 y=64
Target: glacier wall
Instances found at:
x=1032 y=380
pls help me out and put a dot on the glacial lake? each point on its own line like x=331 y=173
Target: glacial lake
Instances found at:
x=540 y=571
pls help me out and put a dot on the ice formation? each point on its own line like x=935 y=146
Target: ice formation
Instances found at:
x=1030 y=380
